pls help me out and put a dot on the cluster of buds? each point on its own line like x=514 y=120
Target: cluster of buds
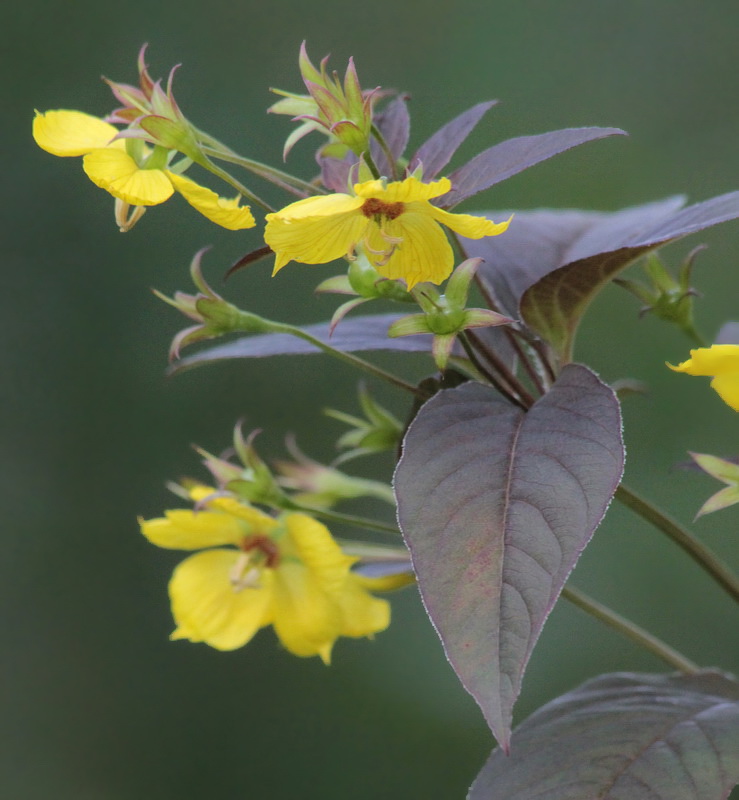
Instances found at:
x=214 y=315
x=446 y=315
x=298 y=484
x=378 y=432
x=364 y=283
x=668 y=298
x=150 y=112
x=342 y=110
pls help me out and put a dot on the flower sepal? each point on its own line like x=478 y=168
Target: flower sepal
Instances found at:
x=377 y=432
x=668 y=298
x=214 y=315
x=321 y=486
x=445 y=316
x=725 y=471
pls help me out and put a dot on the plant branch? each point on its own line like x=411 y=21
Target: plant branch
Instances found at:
x=631 y=630
x=698 y=551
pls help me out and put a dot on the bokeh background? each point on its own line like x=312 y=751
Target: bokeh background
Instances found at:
x=97 y=704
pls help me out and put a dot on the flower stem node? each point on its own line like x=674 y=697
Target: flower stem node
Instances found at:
x=445 y=316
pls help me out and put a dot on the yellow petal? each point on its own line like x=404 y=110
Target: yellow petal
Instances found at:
x=385 y=583
x=314 y=239
x=727 y=387
x=312 y=543
x=361 y=613
x=468 y=225
x=224 y=212
x=423 y=254
x=322 y=206
x=715 y=360
x=116 y=172
x=258 y=521
x=72 y=133
x=207 y=609
x=406 y=191
x=193 y=530
x=306 y=619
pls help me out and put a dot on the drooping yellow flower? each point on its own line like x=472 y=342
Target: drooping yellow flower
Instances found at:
x=144 y=182
x=396 y=225
x=287 y=572
x=720 y=361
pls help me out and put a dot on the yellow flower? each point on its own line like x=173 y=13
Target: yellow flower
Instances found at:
x=109 y=165
x=395 y=224
x=287 y=572
x=722 y=362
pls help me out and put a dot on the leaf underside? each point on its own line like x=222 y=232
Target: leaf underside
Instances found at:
x=624 y=736
x=549 y=265
x=352 y=335
x=496 y=505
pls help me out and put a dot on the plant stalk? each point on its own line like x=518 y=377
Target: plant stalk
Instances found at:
x=631 y=630
x=702 y=555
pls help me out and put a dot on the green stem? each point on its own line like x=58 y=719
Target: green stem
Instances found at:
x=224 y=176
x=215 y=149
x=349 y=519
x=370 y=162
x=631 y=630
x=349 y=358
x=386 y=150
x=698 y=551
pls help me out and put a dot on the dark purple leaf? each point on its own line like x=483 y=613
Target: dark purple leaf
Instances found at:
x=729 y=333
x=435 y=153
x=503 y=160
x=539 y=242
x=554 y=306
x=496 y=505
x=352 y=335
x=394 y=124
x=624 y=737
x=335 y=171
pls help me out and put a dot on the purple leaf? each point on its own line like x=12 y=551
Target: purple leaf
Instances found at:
x=554 y=305
x=496 y=505
x=729 y=333
x=624 y=737
x=435 y=153
x=503 y=160
x=394 y=124
x=352 y=335
x=539 y=242
x=335 y=171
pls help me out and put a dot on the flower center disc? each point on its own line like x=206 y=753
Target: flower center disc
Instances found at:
x=374 y=207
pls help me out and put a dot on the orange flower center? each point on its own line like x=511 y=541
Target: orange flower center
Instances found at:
x=268 y=550
x=374 y=207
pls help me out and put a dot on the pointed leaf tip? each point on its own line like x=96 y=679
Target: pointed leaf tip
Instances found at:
x=496 y=505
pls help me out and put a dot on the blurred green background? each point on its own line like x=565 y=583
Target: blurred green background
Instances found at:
x=97 y=703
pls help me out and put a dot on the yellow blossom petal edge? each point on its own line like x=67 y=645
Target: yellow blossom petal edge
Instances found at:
x=205 y=606
x=72 y=133
x=116 y=172
x=394 y=223
x=223 y=211
x=720 y=361
x=182 y=529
